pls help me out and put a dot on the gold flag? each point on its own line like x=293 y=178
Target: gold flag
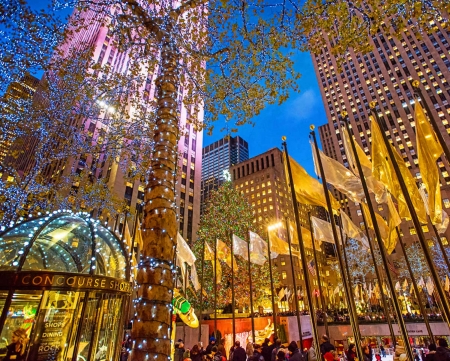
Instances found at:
x=306 y=235
x=383 y=171
x=277 y=245
x=340 y=177
x=387 y=232
x=209 y=256
x=352 y=231
x=322 y=230
x=374 y=186
x=447 y=284
x=428 y=151
x=224 y=254
x=308 y=189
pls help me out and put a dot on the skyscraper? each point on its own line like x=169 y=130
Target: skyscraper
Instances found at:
x=16 y=91
x=217 y=158
x=384 y=75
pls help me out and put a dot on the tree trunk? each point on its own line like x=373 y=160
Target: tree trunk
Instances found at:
x=155 y=279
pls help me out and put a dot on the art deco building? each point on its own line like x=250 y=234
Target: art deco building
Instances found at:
x=384 y=75
x=262 y=180
x=16 y=91
x=217 y=158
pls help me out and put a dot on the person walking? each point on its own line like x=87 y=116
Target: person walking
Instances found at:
x=311 y=354
x=281 y=356
x=237 y=352
x=257 y=354
x=275 y=350
x=16 y=350
x=366 y=353
x=221 y=348
x=351 y=352
x=382 y=350
x=212 y=343
x=267 y=350
x=179 y=350
x=325 y=345
x=295 y=352
x=196 y=353
x=430 y=356
x=442 y=351
x=249 y=349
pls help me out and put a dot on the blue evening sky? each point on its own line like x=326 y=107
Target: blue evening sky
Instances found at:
x=291 y=119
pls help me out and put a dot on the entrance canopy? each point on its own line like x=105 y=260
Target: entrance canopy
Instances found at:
x=64 y=242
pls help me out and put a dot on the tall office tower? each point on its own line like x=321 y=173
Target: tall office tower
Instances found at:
x=217 y=158
x=15 y=93
x=262 y=180
x=384 y=76
x=99 y=35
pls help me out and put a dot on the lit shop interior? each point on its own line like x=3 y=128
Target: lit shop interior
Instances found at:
x=64 y=279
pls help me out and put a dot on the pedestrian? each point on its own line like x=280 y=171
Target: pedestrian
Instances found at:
x=196 y=353
x=277 y=346
x=249 y=348
x=416 y=356
x=431 y=353
x=366 y=353
x=187 y=355
x=266 y=350
x=311 y=355
x=442 y=351
x=237 y=352
x=325 y=345
x=281 y=356
x=295 y=352
x=351 y=352
x=257 y=354
x=382 y=350
x=378 y=357
x=221 y=348
x=179 y=350
x=212 y=343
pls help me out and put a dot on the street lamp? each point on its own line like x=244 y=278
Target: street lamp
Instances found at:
x=272 y=227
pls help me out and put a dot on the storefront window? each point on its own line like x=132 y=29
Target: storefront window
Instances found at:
x=87 y=330
x=21 y=314
x=53 y=325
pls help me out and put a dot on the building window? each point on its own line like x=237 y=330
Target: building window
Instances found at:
x=283 y=275
x=444 y=241
x=446 y=203
x=282 y=261
x=358 y=212
x=425 y=228
x=412 y=230
x=380 y=207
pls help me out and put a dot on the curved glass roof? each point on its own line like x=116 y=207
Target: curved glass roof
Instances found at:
x=63 y=241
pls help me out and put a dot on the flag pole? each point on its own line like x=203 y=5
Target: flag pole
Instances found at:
x=295 y=283
x=272 y=290
x=416 y=289
x=301 y=246
x=322 y=298
x=351 y=301
x=201 y=296
x=381 y=247
x=185 y=294
x=215 y=289
x=233 y=316
x=418 y=93
x=251 y=285
x=353 y=319
x=377 y=270
x=417 y=225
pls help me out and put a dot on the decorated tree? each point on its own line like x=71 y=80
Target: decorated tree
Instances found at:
x=228 y=58
x=228 y=213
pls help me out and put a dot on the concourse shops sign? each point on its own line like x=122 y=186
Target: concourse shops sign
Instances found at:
x=66 y=281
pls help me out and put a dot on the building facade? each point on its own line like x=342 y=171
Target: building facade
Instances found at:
x=384 y=76
x=15 y=93
x=217 y=158
x=262 y=180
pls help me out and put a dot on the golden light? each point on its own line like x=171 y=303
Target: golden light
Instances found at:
x=271 y=227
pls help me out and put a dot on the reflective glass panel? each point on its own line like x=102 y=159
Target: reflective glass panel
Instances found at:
x=14 y=242
x=110 y=260
x=87 y=329
x=64 y=245
x=53 y=326
x=21 y=315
